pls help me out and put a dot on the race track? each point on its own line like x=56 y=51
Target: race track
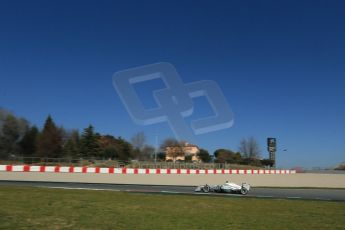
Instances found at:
x=273 y=193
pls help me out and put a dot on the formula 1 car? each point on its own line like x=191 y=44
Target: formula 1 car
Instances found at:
x=227 y=187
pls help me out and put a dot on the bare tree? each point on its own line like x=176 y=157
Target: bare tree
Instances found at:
x=249 y=148
x=138 y=140
x=146 y=152
x=169 y=142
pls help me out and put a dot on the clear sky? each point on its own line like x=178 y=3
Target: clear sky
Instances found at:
x=280 y=64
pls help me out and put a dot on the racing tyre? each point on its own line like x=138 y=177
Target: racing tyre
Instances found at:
x=244 y=191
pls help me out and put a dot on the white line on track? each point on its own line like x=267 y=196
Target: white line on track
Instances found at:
x=294 y=197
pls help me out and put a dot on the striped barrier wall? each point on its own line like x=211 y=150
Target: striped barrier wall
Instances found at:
x=72 y=169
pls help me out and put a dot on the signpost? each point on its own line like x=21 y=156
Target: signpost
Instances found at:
x=272 y=149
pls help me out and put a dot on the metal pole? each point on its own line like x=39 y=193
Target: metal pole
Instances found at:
x=273 y=158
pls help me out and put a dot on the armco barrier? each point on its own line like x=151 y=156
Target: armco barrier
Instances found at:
x=72 y=169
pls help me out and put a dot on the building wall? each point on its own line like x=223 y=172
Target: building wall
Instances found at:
x=188 y=150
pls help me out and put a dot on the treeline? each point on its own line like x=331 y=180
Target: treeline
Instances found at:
x=244 y=158
x=20 y=139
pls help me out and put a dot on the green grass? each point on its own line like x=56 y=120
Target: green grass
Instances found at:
x=39 y=208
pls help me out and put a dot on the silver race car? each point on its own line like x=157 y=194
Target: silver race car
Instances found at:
x=227 y=187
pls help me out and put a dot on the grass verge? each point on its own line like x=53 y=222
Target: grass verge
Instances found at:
x=41 y=208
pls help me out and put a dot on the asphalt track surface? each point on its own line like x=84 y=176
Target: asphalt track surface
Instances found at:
x=269 y=193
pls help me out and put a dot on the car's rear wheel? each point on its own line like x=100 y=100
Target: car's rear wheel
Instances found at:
x=244 y=191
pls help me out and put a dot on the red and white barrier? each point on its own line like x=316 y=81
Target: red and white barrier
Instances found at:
x=72 y=169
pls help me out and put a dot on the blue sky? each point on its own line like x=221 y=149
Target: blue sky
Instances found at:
x=280 y=64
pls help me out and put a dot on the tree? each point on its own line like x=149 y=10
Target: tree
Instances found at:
x=223 y=155
x=188 y=158
x=138 y=140
x=140 y=149
x=204 y=156
x=2 y=113
x=125 y=149
x=12 y=130
x=237 y=157
x=49 y=142
x=251 y=161
x=227 y=156
x=249 y=148
x=28 y=144
x=267 y=162
x=116 y=148
x=71 y=148
x=10 y=134
x=218 y=151
x=108 y=146
x=161 y=156
x=90 y=146
x=147 y=152
x=168 y=142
